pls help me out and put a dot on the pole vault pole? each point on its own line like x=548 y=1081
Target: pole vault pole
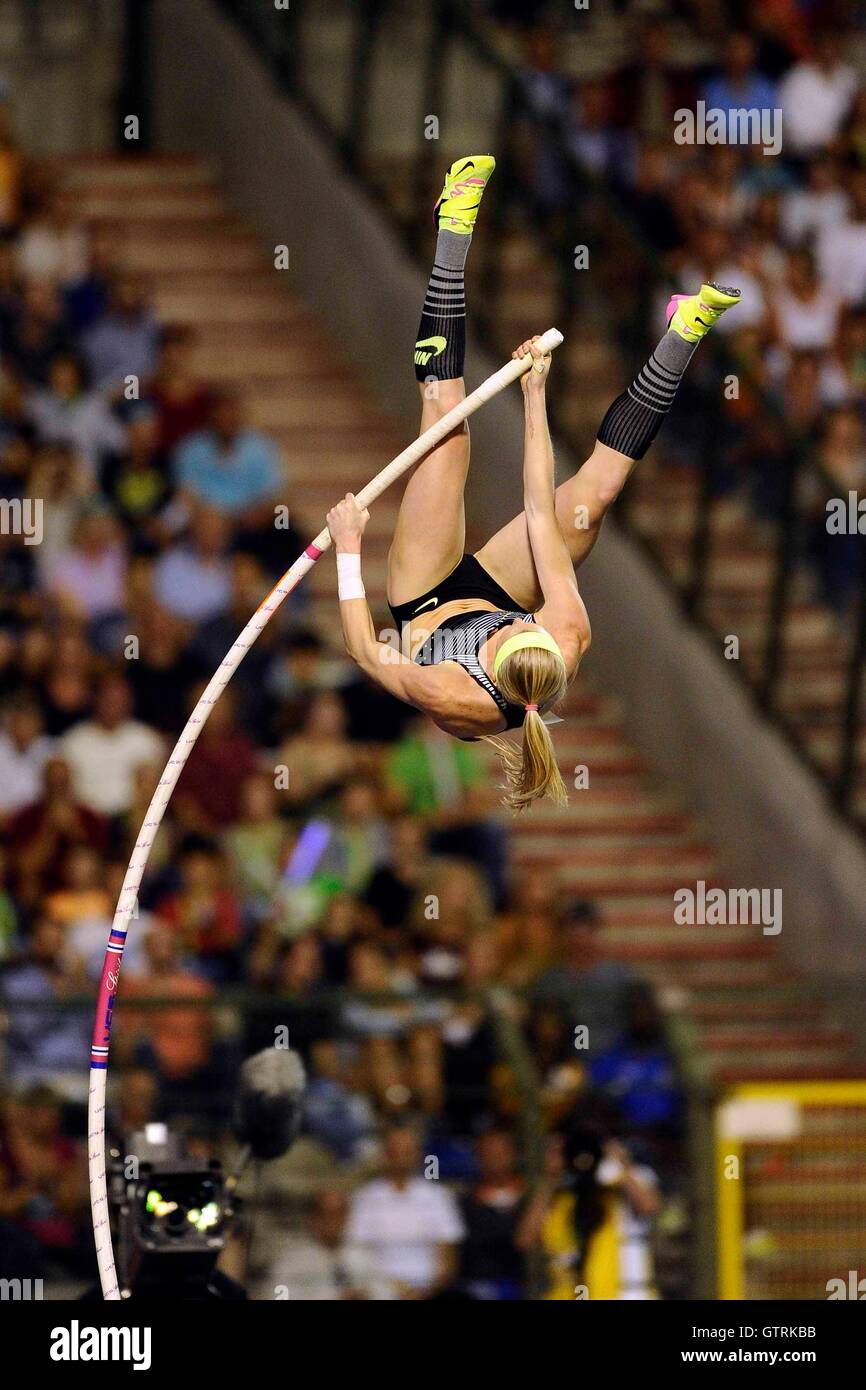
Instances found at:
x=153 y=818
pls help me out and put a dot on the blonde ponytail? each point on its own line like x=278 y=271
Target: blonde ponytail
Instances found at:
x=535 y=678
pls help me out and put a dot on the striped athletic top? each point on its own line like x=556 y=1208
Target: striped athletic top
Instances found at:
x=460 y=639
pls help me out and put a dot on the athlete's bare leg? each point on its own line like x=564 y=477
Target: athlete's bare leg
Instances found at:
x=431 y=526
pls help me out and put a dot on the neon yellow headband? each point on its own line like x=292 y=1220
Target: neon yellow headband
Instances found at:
x=525 y=639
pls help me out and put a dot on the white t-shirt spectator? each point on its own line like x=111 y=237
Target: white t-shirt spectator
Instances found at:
x=814 y=105
x=807 y=325
x=21 y=772
x=841 y=255
x=404 y=1226
x=103 y=762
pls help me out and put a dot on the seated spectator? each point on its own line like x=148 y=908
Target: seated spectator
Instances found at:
x=63 y=482
x=338 y=1117
x=209 y=788
x=491 y=1266
x=183 y=405
x=843 y=371
x=806 y=316
x=394 y=885
x=763 y=255
x=89 y=578
x=204 y=912
x=320 y=1265
x=145 y=782
x=82 y=892
x=588 y=985
x=43 y=1178
x=816 y=96
x=135 y=477
x=37 y=333
x=410 y=1226
x=164 y=672
x=41 y=834
x=319 y=757
x=443 y=780
x=67 y=696
x=123 y=342
x=136 y=1104
x=302 y=669
x=452 y=907
x=192 y=578
x=739 y=85
x=175 y=1041
x=65 y=412
x=807 y=210
x=216 y=635
x=103 y=752
x=526 y=930
x=87 y=931
x=257 y=843
x=230 y=468
x=46 y=1039
x=638 y=1072
x=294 y=1004
x=593 y=138
x=24 y=751
x=359 y=831
x=375 y=1007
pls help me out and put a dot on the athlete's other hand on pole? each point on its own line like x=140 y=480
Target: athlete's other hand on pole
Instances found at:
x=535 y=378
x=347 y=523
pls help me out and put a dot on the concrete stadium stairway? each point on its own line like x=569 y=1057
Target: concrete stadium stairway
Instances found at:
x=623 y=840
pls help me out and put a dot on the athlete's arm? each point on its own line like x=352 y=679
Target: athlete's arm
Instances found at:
x=562 y=612
x=417 y=685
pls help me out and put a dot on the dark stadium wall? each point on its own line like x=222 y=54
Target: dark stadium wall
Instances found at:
x=686 y=712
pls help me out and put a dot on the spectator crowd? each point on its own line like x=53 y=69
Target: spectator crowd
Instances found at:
x=775 y=205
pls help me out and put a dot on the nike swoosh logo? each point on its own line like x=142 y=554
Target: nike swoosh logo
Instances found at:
x=431 y=603
x=439 y=344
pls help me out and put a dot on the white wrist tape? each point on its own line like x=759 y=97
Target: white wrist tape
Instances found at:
x=349 y=582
